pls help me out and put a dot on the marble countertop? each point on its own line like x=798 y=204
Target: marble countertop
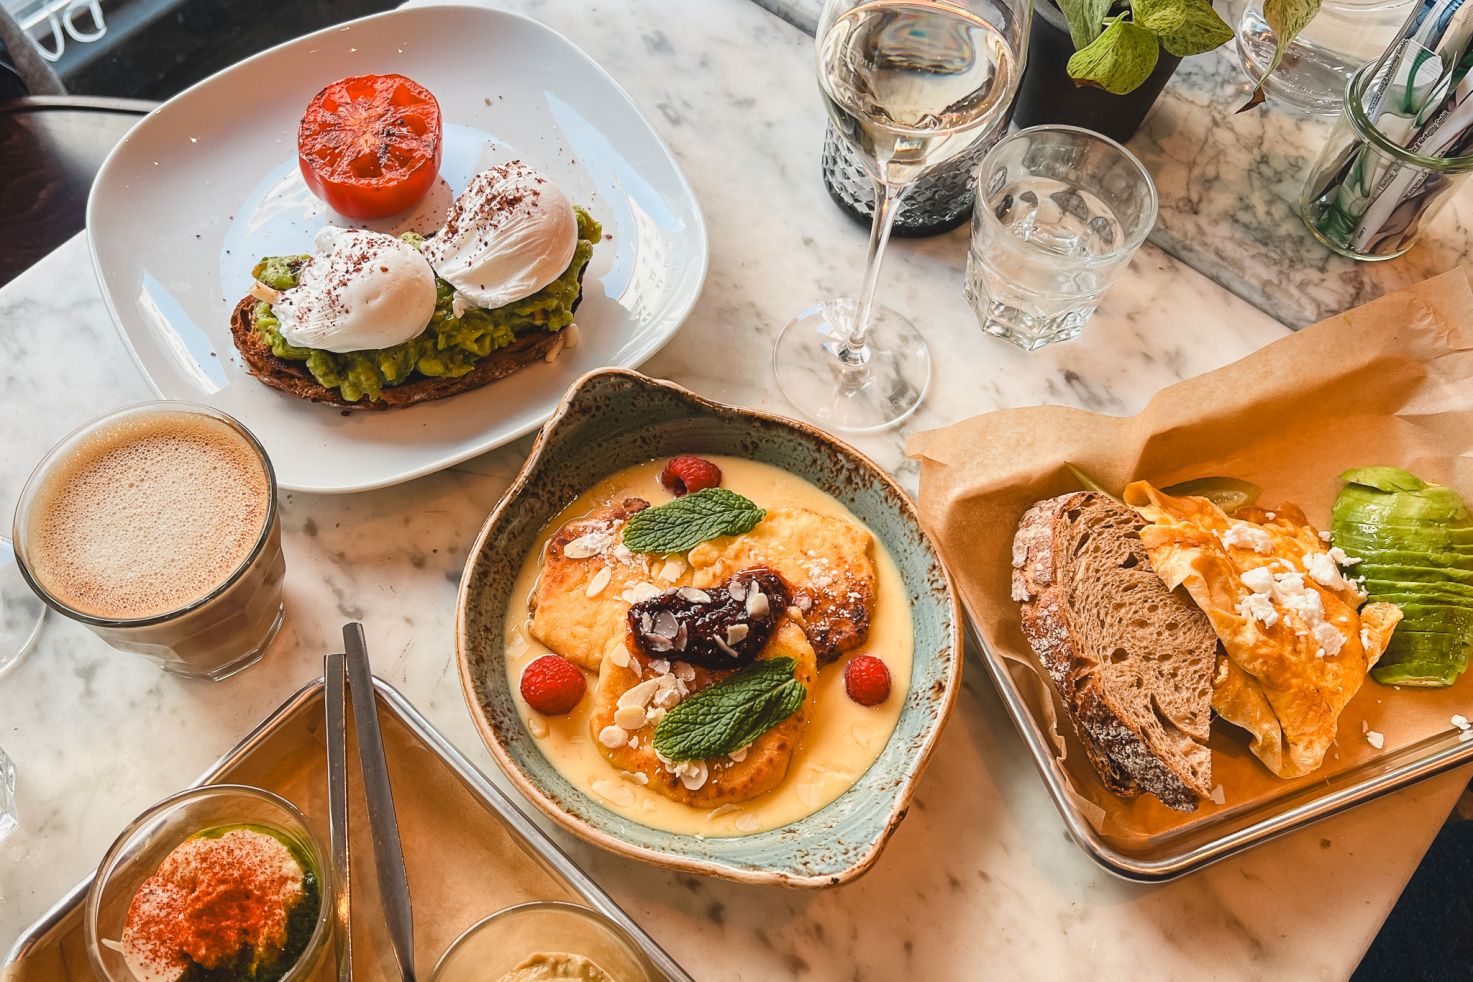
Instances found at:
x=981 y=873
x=1229 y=186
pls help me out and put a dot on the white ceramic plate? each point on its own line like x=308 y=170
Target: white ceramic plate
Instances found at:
x=207 y=184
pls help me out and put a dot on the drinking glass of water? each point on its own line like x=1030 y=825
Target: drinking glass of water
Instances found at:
x=1060 y=211
x=909 y=85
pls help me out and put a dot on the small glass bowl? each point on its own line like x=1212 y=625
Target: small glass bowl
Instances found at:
x=143 y=846
x=499 y=943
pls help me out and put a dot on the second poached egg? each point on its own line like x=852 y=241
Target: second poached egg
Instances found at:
x=508 y=235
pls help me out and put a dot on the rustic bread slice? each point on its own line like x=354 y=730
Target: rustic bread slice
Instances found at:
x=1132 y=660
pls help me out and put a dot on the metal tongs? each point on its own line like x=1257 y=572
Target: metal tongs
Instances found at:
x=349 y=675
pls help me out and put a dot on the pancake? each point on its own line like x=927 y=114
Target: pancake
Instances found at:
x=828 y=561
x=566 y=616
x=724 y=780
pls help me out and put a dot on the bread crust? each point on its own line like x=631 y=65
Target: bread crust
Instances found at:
x=293 y=378
x=1126 y=763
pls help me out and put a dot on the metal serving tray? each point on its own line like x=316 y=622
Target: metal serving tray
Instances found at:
x=286 y=752
x=1169 y=855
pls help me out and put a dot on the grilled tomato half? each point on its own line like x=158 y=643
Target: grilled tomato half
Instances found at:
x=370 y=145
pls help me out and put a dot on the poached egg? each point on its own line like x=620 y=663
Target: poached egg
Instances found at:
x=508 y=235
x=361 y=291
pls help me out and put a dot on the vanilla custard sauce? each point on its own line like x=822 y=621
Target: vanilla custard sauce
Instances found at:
x=841 y=740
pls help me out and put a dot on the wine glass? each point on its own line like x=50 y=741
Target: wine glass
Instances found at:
x=910 y=84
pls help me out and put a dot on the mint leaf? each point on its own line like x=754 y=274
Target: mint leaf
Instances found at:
x=732 y=713
x=1286 y=18
x=1199 y=30
x=1086 y=19
x=685 y=523
x=1117 y=61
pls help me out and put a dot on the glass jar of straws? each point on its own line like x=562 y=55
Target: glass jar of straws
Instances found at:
x=1367 y=196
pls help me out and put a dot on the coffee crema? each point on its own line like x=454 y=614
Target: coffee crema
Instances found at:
x=147 y=515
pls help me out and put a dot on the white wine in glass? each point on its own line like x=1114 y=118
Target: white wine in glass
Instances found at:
x=910 y=84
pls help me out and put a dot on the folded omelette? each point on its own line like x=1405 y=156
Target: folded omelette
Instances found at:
x=1298 y=642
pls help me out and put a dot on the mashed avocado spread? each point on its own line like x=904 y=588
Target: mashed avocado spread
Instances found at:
x=450 y=345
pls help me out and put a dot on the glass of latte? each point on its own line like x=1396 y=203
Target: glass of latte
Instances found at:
x=157 y=527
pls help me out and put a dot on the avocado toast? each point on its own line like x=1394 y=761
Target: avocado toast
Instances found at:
x=461 y=348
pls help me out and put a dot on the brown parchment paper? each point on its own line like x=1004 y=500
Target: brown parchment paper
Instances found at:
x=1387 y=383
x=463 y=862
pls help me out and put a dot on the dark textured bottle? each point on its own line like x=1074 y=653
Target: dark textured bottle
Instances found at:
x=938 y=202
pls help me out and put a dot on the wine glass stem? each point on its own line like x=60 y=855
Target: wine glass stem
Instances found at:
x=887 y=197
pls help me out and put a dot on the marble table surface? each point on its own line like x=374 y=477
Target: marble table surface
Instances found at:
x=980 y=880
x=1229 y=187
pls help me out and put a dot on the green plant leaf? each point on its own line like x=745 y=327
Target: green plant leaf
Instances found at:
x=1201 y=29
x=1118 y=61
x=1287 y=18
x=732 y=713
x=1159 y=16
x=683 y=524
x=1086 y=19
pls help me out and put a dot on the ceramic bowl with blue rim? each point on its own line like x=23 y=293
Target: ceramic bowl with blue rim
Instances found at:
x=613 y=419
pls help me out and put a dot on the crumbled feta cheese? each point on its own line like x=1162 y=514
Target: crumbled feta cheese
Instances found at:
x=1245 y=535
x=1461 y=722
x=1297 y=597
x=1328 y=637
x=1375 y=739
x=1338 y=555
x=1325 y=535
x=1258 y=607
x=1260 y=580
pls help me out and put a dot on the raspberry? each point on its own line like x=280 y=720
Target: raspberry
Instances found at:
x=552 y=685
x=867 y=680
x=686 y=474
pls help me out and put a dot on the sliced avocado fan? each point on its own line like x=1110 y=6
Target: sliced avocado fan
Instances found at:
x=1415 y=544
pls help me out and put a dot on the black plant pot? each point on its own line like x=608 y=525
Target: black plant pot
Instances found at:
x=1046 y=93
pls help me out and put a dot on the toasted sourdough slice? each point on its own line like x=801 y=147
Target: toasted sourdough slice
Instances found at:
x=293 y=377
x=1132 y=661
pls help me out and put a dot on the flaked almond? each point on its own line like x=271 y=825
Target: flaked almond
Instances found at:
x=613 y=737
x=599 y=581
x=639 y=694
x=629 y=717
x=695 y=596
